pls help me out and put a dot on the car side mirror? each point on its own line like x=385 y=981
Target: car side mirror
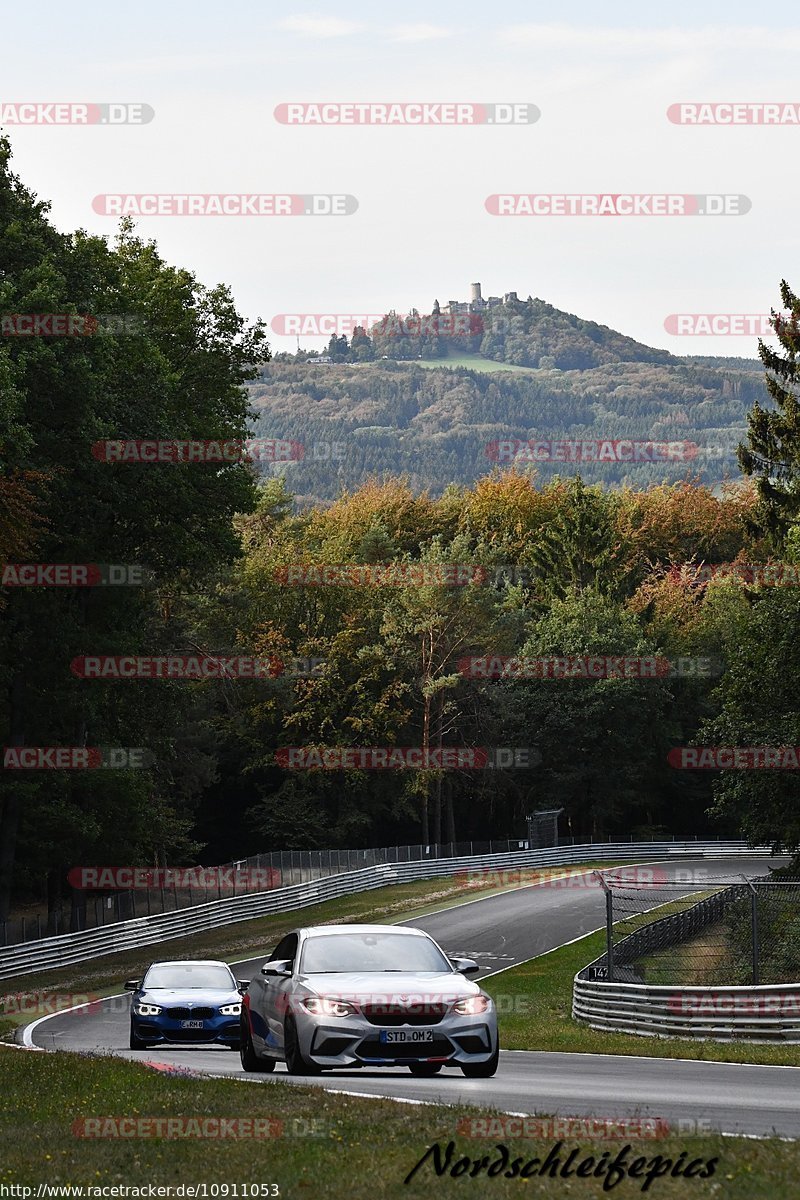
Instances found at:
x=465 y=966
x=132 y=985
x=242 y=985
x=279 y=966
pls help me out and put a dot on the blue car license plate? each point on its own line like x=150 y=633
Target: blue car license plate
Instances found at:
x=192 y=1024
x=406 y=1035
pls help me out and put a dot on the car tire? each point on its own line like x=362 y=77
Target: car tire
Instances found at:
x=249 y=1058
x=422 y=1070
x=484 y=1070
x=296 y=1062
x=137 y=1043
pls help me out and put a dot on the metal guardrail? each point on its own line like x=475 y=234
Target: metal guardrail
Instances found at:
x=67 y=949
x=770 y=1013
x=90 y=908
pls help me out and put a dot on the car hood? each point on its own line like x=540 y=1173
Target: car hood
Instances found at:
x=390 y=987
x=191 y=998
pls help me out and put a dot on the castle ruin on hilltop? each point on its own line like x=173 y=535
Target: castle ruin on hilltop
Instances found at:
x=476 y=302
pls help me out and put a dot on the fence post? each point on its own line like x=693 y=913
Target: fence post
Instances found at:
x=754 y=929
x=609 y=924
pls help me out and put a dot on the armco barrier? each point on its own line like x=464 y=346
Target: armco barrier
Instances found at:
x=765 y=1014
x=53 y=952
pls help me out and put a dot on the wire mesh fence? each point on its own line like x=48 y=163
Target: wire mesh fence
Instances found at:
x=703 y=930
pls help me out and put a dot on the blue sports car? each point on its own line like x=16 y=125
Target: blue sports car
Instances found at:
x=185 y=1001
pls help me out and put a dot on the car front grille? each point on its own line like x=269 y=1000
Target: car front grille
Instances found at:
x=190 y=1014
x=388 y=1016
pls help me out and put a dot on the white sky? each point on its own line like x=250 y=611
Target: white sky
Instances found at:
x=603 y=77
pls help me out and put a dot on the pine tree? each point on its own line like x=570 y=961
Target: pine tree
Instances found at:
x=773 y=450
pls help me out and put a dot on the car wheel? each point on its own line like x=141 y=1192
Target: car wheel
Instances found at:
x=137 y=1043
x=250 y=1060
x=296 y=1063
x=484 y=1070
x=423 y=1069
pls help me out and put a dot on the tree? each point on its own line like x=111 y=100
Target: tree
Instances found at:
x=758 y=704
x=175 y=372
x=772 y=452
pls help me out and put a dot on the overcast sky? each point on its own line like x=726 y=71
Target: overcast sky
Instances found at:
x=603 y=78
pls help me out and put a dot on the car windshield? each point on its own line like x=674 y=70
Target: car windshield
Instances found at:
x=345 y=952
x=189 y=975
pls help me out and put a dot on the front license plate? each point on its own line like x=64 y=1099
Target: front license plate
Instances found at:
x=406 y=1035
x=192 y=1024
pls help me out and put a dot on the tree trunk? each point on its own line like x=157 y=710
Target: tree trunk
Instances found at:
x=449 y=815
x=9 y=822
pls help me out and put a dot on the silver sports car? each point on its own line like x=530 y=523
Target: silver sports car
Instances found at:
x=337 y=996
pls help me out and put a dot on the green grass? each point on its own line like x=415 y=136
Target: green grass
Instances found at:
x=704 y=960
x=248 y=939
x=536 y=1015
x=360 y=1149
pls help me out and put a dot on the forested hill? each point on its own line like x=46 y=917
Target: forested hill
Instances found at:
x=435 y=419
x=525 y=333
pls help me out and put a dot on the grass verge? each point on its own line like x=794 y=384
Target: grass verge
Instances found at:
x=330 y=1146
x=536 y=1008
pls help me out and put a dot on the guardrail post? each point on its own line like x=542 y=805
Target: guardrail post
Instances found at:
x=609 y=924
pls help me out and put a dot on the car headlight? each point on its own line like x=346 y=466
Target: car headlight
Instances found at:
x=146 y=1010
x=323 y=1006
x=471 y=1006
x=230 y=1010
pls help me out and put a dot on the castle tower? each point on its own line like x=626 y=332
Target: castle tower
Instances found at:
x=475 y=292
